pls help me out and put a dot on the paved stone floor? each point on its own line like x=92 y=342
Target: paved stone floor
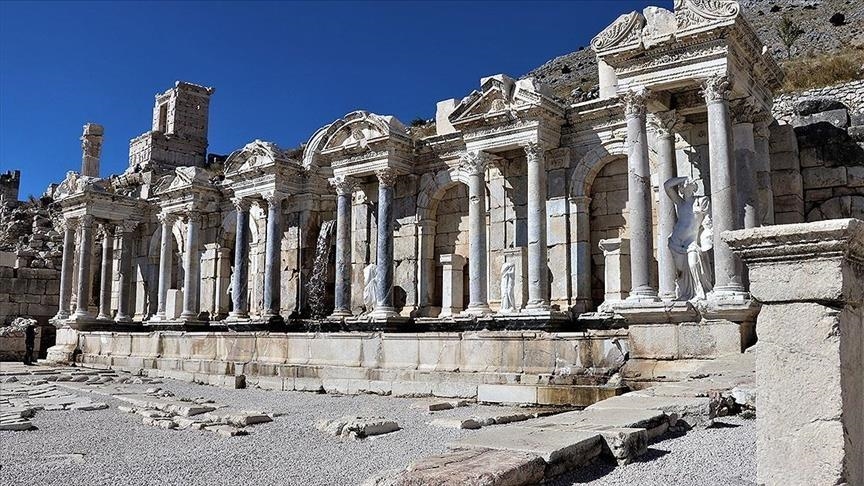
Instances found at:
x=90 y=445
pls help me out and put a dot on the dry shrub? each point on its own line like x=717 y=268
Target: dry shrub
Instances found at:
x=825 y=70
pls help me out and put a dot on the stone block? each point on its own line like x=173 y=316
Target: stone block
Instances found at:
x=507 y=393
x=709 y=340
x=657 y=341
x=787 y=182
x=838 y=117
x=476 y=467
x=824 y=177
x=554 y=444
x=785 y=161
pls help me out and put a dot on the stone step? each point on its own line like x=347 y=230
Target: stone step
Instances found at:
x=573 y=395
x=693 y=410
x=476 y=467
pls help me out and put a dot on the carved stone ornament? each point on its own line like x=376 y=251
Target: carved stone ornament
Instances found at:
x=716 y=88
x=273 y=199
x=634 y=102
x=745 y=110
x=386 y=177
x=693 y=13
x=192 y=217
x=534 y=152
x=623 y=30
x=70 y=224
x=344 y=185
x=241 y=203
x=127 y=226
x=86 y=221
x=474 y=162
x=166 y=218
x=665 y=123
x=106 y=229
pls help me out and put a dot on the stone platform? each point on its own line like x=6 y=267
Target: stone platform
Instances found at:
x=530 y=367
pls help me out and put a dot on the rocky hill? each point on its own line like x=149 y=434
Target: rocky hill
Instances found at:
x=825 y=31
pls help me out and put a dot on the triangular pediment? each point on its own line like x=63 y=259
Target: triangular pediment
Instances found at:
x=501 y=98
x=185 y=178
x=256 y=155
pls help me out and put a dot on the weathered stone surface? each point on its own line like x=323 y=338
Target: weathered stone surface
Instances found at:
x=457 y=423
x=474 y=467
x=552 y=443
x=357 y=427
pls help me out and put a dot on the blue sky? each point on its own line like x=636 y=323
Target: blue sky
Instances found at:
x=281 y=69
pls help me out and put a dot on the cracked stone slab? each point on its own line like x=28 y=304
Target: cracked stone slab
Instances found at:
x=552 y=443
x=476 y=467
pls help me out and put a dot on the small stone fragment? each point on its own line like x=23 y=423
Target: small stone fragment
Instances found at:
x=457 y=423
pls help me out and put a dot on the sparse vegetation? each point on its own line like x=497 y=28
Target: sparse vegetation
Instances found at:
x=788 y=32
x=824 y=70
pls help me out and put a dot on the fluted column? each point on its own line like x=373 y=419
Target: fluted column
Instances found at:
x=639 y=198
x=126 y=231
x=384 y=265
x=344 y=191
x=192 y=268
x=67 y=270
x=240 y=277
x=663 y=125
x=273 y=257
x=474 y=163
x=84 y=286
x=106 y=278
x=724 y=211
x=538 y=261
x=166 y=262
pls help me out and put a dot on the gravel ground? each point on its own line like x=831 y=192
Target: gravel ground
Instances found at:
x=108 y=447
x=724 y=454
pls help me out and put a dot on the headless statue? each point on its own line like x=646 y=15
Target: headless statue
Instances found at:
x=370 y=295
x=508 y=282
x=691 y=240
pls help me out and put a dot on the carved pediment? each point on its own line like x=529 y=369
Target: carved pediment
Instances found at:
x=255 y=155
x=499 y=98
x=624 y=31
x=184 y=178
x=353 y=134
x=690 y=14
x=75 y=183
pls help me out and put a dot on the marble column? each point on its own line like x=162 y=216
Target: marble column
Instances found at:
x=67 y=270
x=762 y=166
x=425 y=264
x=664 y=125
x=474 y=163
x=639 y=198
x=273 y=258
x=240 y=277
x=192 y=268
x=166 y=263
x=538 y=261
x=581 y=266
x=85 y=250
x=344 y=192
x=126 y=231
x=107 y=277
x=384 y=245
x=724 y=211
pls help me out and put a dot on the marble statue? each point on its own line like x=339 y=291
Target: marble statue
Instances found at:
x=370 y=296
x=691 y=239
x=508 y=282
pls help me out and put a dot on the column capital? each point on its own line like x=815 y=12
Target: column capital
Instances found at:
x=474 y=162
x=192 y=217
x=635 y=102
x=69 y=224
x=343 y=184
x=86 y=220
x=665 y=123
x=127 y=226
x=761 y=126
x=582 y=203
x=166 y=218
x=241 y=203
x=744 y=110
x=273 y=198
x=386 y=176
x=716 y=88
x=534 y=151
x=106 y=228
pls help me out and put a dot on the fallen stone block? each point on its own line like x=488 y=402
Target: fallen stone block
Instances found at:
x=654 y=422
x=357 y=427
x=16 y=425
x=88 y=406
x=476 y=467
x=693 y=410
x=556 y=445
x=436 y=407
x=457 y=423
x=125 y=409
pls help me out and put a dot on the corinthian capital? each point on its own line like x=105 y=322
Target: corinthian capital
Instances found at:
x=166 y=218
x=534 y=152
x=344 y=185
x=387 y=177
x=474 y=162
x=634 y=102
x=241 y=203
x=716 y=88
x=665 y=123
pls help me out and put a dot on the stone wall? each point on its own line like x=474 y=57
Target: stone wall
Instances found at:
x=28 y=292
x=817 y=154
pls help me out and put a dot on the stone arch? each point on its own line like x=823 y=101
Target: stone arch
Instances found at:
x=591 y=163
x=838 y=208
x=432 y=188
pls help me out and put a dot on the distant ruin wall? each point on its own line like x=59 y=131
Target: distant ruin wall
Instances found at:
x=850 y=94
x=28 y=292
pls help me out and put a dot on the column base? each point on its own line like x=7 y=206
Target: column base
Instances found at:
x=384 y=313
x=339 y=314
x=537 y=306
x=238 y=315
x=123 y=319
x=643 y=295
x=734 y=293
x=477 y=310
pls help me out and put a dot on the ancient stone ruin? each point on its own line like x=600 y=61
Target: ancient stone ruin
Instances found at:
x=520 y=250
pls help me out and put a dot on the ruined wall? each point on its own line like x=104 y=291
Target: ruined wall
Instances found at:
x=10 y=182
x=608 y=218
x=817 y=154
